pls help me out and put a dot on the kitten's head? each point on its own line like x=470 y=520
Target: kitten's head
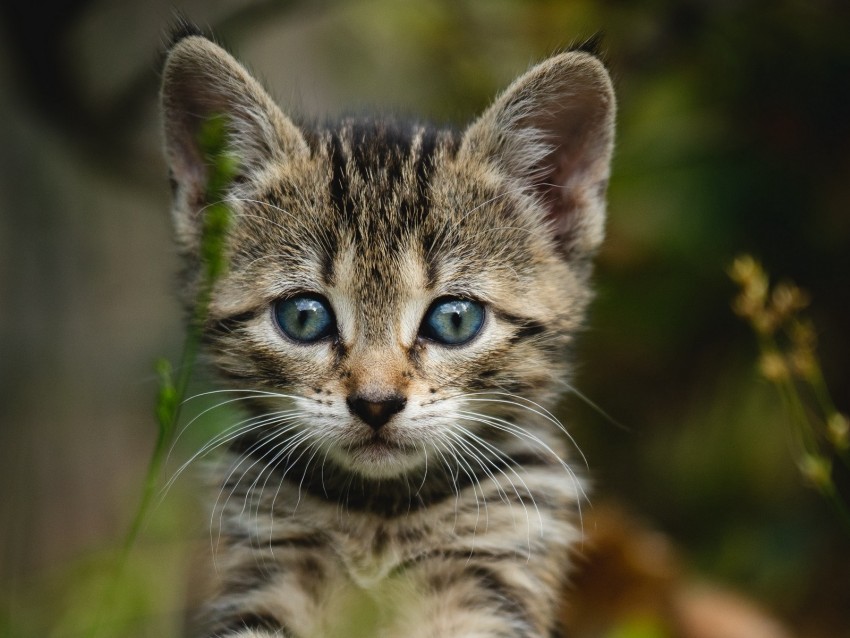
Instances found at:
x=394 y=288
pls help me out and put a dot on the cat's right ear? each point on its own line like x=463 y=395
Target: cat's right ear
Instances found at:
x=552 y=133
x=200 y=82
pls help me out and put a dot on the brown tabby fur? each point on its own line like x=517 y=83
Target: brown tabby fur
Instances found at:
x=456 y=517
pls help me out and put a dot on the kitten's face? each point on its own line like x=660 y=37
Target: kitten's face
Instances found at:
x=398 y=291
x=389 y=310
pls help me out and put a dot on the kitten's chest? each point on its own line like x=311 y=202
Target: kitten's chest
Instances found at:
x=367 y=596
x=369 y=553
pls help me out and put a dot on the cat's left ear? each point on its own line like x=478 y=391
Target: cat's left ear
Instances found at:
x=552 y=132
x=201 y=82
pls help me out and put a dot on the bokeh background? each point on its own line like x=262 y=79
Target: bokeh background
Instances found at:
x=734 y=136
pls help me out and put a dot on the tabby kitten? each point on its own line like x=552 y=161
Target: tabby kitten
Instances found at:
x=394 y=319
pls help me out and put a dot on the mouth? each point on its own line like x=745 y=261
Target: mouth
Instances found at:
x=381 y=443
x=382 y=455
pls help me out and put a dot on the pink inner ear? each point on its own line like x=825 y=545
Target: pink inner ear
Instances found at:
x=187 y=163
x=572 y=183
x=565 y=104
x=562 y=208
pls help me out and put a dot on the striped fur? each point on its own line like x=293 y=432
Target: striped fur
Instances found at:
x=457 y=516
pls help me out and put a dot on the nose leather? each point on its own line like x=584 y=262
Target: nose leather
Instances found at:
x=376 y=413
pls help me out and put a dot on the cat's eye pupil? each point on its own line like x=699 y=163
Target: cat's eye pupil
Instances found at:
x=452 y=321
x=306 y=318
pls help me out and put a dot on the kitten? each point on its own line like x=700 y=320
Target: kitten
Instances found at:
x=394 y=319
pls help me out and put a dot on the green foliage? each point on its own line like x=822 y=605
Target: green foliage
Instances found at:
x=172 y=392
x=639 y=628
x=222 y=169
x=167 y=401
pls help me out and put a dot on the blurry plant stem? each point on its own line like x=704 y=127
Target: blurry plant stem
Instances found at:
x=788 y=360
x=830 y=493
x=171 y=396
x=808 y=443
x=790 y=397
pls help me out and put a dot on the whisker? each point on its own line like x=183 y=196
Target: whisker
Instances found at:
x=271 y=436
x=231 y=433
x=454 y=476
x=291 y=445
x=471 y=453
x=593 y=405
x=538 y=410
x=256 y=495
x=317 y=443
x=253 y=394
x=511 y=428
x=231 y=390
x=474 y=482
x=510 y=465
x=424 y=471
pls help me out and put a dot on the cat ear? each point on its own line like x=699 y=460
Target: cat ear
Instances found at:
x=200 y=82
x=552 y=132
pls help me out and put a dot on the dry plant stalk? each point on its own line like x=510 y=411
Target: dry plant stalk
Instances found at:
x=788 y=359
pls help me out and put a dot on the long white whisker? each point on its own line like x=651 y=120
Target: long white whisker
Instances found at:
x=252 y=395
x=271 y=436
x=511 y=428
x=538 y=410
x=268 y=470
x=232 y=390
x=425 y=471
x=471 y=453
x=291 y=445
x=317 y=444
x=231 y=433
x=453 y=475
x=595 y=406
x=509 y=464
x=474 y=482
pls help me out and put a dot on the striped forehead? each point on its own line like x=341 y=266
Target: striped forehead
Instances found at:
x=378 y=182
x=379 y=173
x=378 y=179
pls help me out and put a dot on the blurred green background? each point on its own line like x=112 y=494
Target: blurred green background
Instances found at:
x=734 y=135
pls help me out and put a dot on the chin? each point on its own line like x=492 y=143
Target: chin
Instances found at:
x=378 y=458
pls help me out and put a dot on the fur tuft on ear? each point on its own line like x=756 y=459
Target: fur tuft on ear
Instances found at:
x=180 y=29
x=591 y=45
x=552 y=132
x=200 y=82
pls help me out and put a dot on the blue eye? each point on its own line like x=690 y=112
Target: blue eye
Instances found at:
x=306 y=318
x=452 y=321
